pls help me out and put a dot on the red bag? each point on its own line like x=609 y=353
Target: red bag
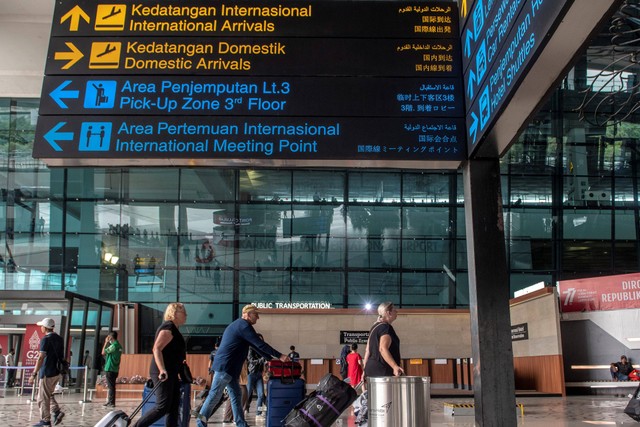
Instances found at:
x=284 y=370
x=634 y=375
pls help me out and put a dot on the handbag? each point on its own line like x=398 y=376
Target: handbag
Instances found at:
x=633 y=407
x=185 y=373
x=62 y=365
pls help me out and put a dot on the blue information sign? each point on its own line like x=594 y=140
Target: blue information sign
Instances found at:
x=501 y=39
x=253 y=96
x=293 y=138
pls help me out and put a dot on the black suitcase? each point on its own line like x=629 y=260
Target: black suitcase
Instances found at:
x=633 y=407
x=119 y=418
x=322 y=407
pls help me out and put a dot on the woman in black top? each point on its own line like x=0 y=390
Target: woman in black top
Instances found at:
x=169 y=353
x=382 y=355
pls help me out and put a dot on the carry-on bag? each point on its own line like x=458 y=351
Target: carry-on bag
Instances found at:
x=284 y=370
x=633 y=407
x=184 y=407
x=281 y=398
x=323 y=406
x=119 y=418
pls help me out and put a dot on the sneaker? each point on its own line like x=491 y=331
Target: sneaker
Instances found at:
x=57 y=418
x=109 y=405
x=43 y=423
x=198 y=416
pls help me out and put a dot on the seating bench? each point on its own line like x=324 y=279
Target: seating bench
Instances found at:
x=601 y=387
x=603 y=384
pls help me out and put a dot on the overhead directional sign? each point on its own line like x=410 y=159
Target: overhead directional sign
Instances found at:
x=259 y=81
x=253 y=96
x=247 y=56
x=500 y=40
x=318 y=139
x=293 y=18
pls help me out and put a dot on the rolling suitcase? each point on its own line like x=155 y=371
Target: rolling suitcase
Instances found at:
x=119 y=418
x=281 y=398
x=633 y=407
x=184 y=410
x=323 y=406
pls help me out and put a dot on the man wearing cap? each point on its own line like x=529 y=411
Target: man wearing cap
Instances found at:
x=227 y=364
x=46 y=369
x=112 y=351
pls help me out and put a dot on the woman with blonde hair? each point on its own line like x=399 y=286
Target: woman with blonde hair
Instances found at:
x=382 y=355
x=169 y=353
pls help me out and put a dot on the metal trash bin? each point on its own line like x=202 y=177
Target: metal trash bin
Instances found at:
x=399 y=401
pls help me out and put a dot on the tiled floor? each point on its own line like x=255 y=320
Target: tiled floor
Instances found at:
x=571 y=411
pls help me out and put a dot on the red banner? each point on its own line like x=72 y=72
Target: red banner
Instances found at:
x=4 y=345
x=600 y=293
x=31 y=345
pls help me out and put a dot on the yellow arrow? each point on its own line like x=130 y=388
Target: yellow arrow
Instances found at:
x=74 y=56
x=464 y=9
x=74 y=15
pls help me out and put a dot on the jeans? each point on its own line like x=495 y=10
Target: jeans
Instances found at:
x=617 y=376
x=220 y=381
x=255 y=380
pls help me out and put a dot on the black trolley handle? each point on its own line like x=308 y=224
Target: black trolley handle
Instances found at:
x=145 y=400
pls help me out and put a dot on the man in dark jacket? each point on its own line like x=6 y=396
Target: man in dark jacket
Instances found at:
x=227 y=365
x=46 y=369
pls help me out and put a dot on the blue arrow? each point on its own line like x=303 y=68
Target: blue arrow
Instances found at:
x=53 y=135
x=473 y=130
x=472 y=78
x=59 y=94
x=467 y=43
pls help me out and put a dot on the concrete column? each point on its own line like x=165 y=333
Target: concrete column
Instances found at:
x=494 y=390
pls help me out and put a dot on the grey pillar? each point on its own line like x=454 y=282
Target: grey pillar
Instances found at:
x=493 y=380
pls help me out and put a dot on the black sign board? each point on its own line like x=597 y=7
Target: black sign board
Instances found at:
x=354 y=337
x=247 y=56
x=375 y=82
x=520 y=332
x=256 y=18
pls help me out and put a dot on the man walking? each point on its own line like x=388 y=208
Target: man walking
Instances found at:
x=228 y=362
x=47 y=373
x=11 y=363
x=111 y=350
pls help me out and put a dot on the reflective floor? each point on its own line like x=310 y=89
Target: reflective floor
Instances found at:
x=571 y=411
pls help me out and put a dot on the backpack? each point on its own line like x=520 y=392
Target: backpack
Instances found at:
x=344 y=367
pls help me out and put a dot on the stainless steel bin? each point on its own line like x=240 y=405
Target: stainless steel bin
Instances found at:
x=399 y=401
